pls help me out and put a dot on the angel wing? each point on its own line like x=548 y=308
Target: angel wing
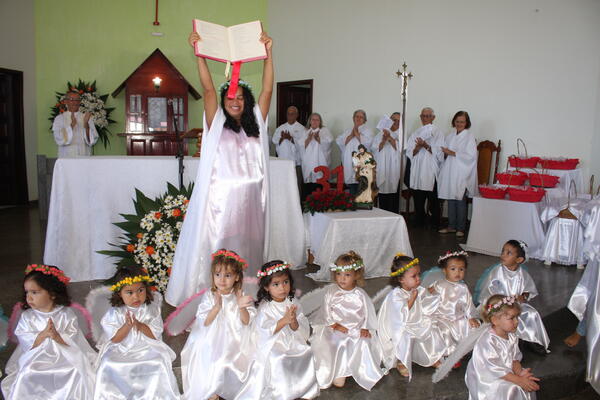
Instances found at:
x=13 y=321
x=183 y=316
x=380 y=296
x=84 y=319
x=97 y=302
x=431 y=276
x=312 y=300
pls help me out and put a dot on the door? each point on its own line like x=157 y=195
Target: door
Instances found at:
x=13 y=173
x=294 y=93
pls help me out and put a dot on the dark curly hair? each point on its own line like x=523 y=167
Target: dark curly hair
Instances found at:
x=518 y=248
x=128 y=272
x=247 y=121
x=265 y=281
x=229 y=264
x=397 y=263
x=444 y=263
x=57 y=290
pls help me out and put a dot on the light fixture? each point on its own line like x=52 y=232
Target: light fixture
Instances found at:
x=157 y=82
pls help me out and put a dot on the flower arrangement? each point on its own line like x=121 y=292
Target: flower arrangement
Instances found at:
x=331 y=200
x=90 y=102
x=151 y=233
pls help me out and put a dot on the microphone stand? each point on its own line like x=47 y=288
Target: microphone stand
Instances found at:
x=179 y=154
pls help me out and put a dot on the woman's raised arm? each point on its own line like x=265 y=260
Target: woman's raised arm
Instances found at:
x=264 y=100
x=209 y=94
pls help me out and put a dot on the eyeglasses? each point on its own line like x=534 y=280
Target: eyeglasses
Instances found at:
x=427 y=116
x=72 y=99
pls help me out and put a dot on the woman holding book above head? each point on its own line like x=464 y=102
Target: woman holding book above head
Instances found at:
x=229 y=205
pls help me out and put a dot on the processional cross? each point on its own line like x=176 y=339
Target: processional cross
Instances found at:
x=405 y=77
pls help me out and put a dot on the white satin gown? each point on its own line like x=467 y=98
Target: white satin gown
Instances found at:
x=51 y=371
x=410 y=335
x=454 y=312
x=503 y=281
x=284 y=365
x=216 y=358
x=491 y=360
x=340 y=354
x=138 y=367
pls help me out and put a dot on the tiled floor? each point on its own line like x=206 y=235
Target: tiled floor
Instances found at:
x=22 y=240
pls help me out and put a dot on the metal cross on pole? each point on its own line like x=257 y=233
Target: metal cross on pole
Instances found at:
x=405 y=77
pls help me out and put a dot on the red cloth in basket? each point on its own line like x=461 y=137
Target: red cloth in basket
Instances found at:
x=523 y=162
x=516 y=178
x=526 y=194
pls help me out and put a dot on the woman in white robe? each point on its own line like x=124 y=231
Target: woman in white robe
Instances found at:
x=51 y=370
x=457 y=178
x=138 y=366
x=229 y=206
x=348 y=143
x=340 y=354
x=424 y=150
x=316 y=151
x=216 y=358
x=386 y=150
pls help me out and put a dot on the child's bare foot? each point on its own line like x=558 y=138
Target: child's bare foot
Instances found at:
x=402 y=369
x=573 y=339
x=339 y=382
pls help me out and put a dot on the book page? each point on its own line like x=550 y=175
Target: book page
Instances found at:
x=214 y=43
x=385 y=123
x=245 y=43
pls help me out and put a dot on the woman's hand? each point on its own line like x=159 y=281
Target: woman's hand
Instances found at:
x=266 y=40
x=193 y=38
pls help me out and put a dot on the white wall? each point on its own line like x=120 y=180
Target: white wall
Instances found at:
x=17 y=52
x=528 y=69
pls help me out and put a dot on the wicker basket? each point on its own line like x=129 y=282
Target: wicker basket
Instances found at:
x=526 y=194
x=519 y=161
x=543 y=180
x=516 y=178
x=559 y=163
x=492 y=191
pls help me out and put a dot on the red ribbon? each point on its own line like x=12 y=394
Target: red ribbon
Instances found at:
x=235 y=78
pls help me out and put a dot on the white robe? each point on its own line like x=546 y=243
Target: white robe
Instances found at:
x=215 y=358
x=138 y=367
x=503 y=281
x=564 y=239
x=287 y=149
x=459 y=173
x=51 y=371
x=491 y=360
x=73 y=142
x=191 y=264
x=366 y=138
x=425 y=166
x=592 y=335
x=388 y=163
x=453 y=314
x=284 y=365
x=340 y=354
x=410 y=335
x=315 y=154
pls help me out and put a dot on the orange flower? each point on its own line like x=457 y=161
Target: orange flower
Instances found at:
x=153 y=288
x=139 y=235
x=89 y=88
x=157 y=215
x=81 y=92
x=186 y=201
x=130 y=248
x=62 y=111
x=176 y=212
x=145 y=270
x=169 y=271
x=57 y=105
x=150 y=250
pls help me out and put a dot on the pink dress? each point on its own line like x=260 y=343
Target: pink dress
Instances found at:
x=237 y=198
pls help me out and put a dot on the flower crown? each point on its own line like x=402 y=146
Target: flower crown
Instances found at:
x=242 y=83
x=405 y=268
x=272 y=269
x=506 y=301
x=452 y=254
x=230 y=255
x=48 y=270
x=130 y=280
x=355 y=266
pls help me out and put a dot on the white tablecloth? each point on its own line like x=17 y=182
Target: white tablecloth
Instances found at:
x=377 y=235
x=496 y=221
x=89 y=193
x=566 y=177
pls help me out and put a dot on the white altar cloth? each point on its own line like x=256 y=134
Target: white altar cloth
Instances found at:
x=89 y=193
x=566 y=177
x=377 y=235
x=494 y=222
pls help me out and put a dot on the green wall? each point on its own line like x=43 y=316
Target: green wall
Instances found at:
x=105 y=40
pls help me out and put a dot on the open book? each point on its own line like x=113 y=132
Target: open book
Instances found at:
x=235 y=43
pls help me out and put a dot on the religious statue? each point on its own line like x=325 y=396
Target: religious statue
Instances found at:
x=365 y=168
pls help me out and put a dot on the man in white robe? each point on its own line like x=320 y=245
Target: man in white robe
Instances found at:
x=74 y=131
x=425 y=154
x=287 y=138
x=386 y=150
x=349 y=141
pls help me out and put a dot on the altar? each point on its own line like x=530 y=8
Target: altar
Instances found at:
x=89 y=193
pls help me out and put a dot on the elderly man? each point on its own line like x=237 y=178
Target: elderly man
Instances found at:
x=74 y=131
x=286 y=137
x=425 y=154
x=349 y=141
